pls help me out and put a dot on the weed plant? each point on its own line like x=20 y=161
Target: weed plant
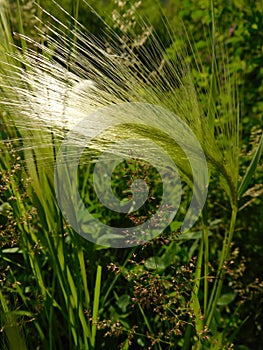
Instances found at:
x=181 y=290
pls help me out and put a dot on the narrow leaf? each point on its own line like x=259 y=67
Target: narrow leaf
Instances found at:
x=96 y=306
x=251 y=169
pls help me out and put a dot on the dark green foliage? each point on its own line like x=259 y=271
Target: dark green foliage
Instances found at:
x=53 y=292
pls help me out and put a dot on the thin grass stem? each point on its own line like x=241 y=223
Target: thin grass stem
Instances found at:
x=220 y=273
x=206 y=258
x=95 y=312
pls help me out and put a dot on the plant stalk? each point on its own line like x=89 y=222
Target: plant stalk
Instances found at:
x=221 y=271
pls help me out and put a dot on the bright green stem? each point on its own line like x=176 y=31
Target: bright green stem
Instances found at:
x=96 y=300
x=206 y=260
x=148 y=325
x=221 y=271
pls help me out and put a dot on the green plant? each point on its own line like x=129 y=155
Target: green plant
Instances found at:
x=48 y=85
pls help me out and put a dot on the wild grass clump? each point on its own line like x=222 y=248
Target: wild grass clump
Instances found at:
x=175 y=291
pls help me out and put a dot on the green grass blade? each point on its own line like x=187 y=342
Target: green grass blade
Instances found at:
x=84 y=277
x=96 y=306
x=148 y=324
x=145 y=319
x=9 y=324
x=206 y=260
x=194 y=297
x=21 y=26
x=251 y=169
